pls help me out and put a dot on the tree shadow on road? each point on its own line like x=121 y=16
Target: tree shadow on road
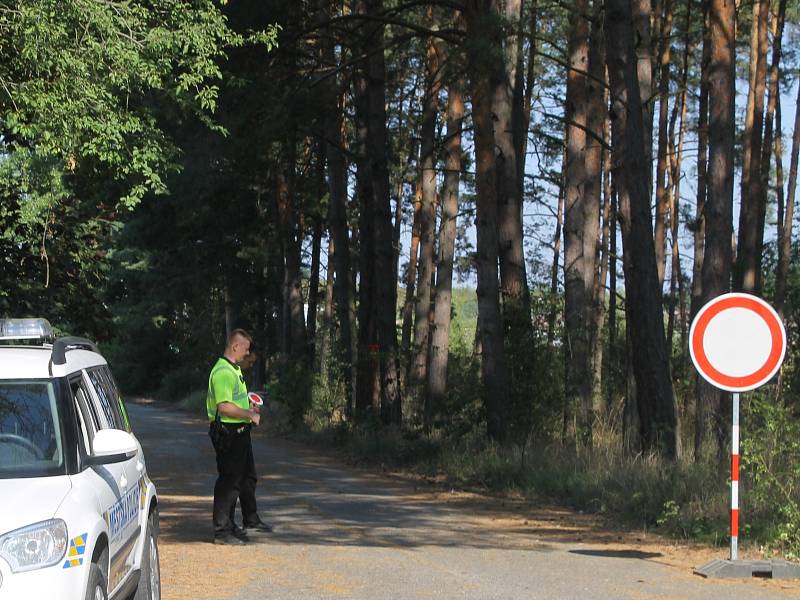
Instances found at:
x=638 y=554
x=313 y=499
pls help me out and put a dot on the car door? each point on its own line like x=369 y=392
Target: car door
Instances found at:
x=124 y=518
x=105 y=480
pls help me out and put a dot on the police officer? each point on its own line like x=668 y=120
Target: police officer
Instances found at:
x=247 y=493
x=227 y=399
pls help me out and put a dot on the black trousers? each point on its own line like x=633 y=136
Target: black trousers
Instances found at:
x=236 y=479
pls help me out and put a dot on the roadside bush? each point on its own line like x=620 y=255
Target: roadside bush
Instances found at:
x=475 y=460
x=461 y=410
x=771 y=473
x=327 y=403
x=180 y=382
x=292 y=387
x=393 y=447
x=194 y=402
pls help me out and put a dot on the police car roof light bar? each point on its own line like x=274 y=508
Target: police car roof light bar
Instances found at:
x=26 y=329
x=62 y=345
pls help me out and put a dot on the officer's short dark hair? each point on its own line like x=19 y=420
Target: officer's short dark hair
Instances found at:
x=239 y=333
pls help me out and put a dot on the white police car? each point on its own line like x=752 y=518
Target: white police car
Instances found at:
x=78 y=513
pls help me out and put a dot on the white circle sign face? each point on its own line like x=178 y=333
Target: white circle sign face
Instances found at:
x=737 y=342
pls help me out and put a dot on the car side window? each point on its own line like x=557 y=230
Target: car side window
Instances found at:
x=114 y=390
x=108 y=398
x=86 y=421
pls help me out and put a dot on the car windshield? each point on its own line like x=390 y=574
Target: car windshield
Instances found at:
x=30 y=436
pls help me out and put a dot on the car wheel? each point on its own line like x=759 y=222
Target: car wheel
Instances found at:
x=150 y=577
x=96 y=588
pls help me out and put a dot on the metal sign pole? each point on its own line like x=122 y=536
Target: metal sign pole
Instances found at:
x=735 y=478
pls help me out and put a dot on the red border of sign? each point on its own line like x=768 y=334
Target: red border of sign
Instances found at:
x=761 y=375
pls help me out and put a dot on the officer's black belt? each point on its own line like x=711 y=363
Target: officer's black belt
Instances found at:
x=237 y=427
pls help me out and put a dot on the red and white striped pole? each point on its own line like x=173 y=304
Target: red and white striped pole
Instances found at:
x=735 y=479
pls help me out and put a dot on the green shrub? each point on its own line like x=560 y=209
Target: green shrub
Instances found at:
x=327 y=403
x=292 y=387
x=771 y=473
x=180 y=382
x=194 y=402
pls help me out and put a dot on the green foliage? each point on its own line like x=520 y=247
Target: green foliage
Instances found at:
x=535 y=375
x=327 y=402
x=464 y=320
x=535 y=370
x=56 y=268
x=79 y=80
x=388 y=447
x=292 y=387
x=175 y=385
x=646 y=492
x=771 y=473
x=194 y=402
x=85 y=91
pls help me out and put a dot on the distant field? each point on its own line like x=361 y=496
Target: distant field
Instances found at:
x=465 y=316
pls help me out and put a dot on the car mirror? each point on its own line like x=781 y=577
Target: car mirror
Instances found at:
x=112 y=446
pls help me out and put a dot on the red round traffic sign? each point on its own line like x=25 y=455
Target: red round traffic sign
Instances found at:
x=737 y=342
x=255 y=398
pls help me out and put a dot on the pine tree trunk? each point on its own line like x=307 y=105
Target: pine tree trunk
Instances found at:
x=323 y=357
x=776 y=29
x=260 y=333
x=675 y=271
x=427 y=229
x=662 y=195
x=368 y=368
x=316 y=255
x=411 y=274
x=440 y=342
x=386 y=286
x=785 y=248
x=600 y=312
x=643 y=40
x=655 y=397
x=516 y=302
x=609 y=264
x=699 y=228
x=516 y=307
x=594 y=276
x=780 y=202
x=551 y=318
x=770 y=130
x=402 y=168
x=493 y=367
x=718 y=211
x=612 y=290
x=337 y=223
x=231 y=309
x=577 y=427
x=747 y=276
x=631 y=421
x=292 y=241
x=675 y=162
x=398 y=225
x=313 y=290
x=523 y=92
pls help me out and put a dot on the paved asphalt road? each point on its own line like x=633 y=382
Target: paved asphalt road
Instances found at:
x=345 y=534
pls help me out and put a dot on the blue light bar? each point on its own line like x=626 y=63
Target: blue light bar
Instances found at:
x=25 y=329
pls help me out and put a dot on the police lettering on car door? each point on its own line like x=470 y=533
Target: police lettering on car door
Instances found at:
x=123 y=513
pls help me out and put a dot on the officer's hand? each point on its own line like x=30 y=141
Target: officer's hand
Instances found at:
x=255 y=418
